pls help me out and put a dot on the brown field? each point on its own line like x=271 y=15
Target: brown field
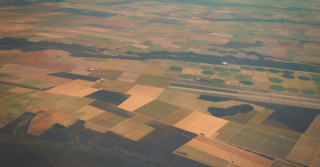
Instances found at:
x=132 y=66
x=134 y=102
x=85 y=113
x=145 y=91
x=176 y=116
x=19 y=90
x=132 y=130
x=112 y=64
x=232 y=81
x=227 y=152
x=261 y=85
x=305 y=151
x=141 y=95
x=251 y=160
x=191 y=71
x=42 y=76
x=260 y=73
x=78 y=88
x=314 y=128
x=45 y=120
x=114 y=86
x=247 y=72
x=104 y=122
x=17 y=69
x=201 y=123
x=128 y=77
x=257 y=78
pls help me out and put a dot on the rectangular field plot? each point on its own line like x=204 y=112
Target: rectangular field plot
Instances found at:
x=200 y=123
x=135 y=102
x=200 y=156
x=107 y=74
x=157 y=109
x=112 y=64
x=104 y=122
x=228 y=131
x=229 y=153
x=85 y=113
x=132 y=130
x=263 y=142
x=128 y=77
x=113 y=98
x=314 y=128
x=177 y=116
x=74 y=76
x=114 y=86
x=256 y=122
x=145 y=91
x=77 y=88
x=305 y=151
x=153 y=81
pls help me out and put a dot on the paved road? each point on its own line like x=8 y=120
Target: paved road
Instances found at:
x=248 y=94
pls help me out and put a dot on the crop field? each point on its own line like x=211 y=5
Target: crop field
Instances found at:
x=78 y=88
x=201 y=123
x=132 y=130
x=305 y=151
x=157 y=109
x=104 y=122
x=45 y=120
x=159 y=83
x=263 y=142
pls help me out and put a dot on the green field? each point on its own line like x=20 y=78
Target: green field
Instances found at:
x=153 y=81
x=157 y=109
x=228 y=131
x=263 y=142
x=256 y=122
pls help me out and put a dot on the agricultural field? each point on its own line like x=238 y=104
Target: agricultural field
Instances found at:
x=160 y=83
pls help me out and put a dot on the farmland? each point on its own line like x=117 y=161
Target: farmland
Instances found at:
x=159 y=83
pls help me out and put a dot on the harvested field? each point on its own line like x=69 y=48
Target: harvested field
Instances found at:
x=114 y=86
x=17 y=69
x=104 y=122
x=200 y=123
x=177 y=116
x=134 y=102
x=78 y=88
x=107 y=74
x=112 y=64
x=227 y=152
x=44 y=77
x=191 y=71
x=85 y=113
x=200 y=156
x=128 y=77
x=141 y=95
x=45 y=120
x=145 y=91
x=19 y=90
x=132 y=66
x=132 y=130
